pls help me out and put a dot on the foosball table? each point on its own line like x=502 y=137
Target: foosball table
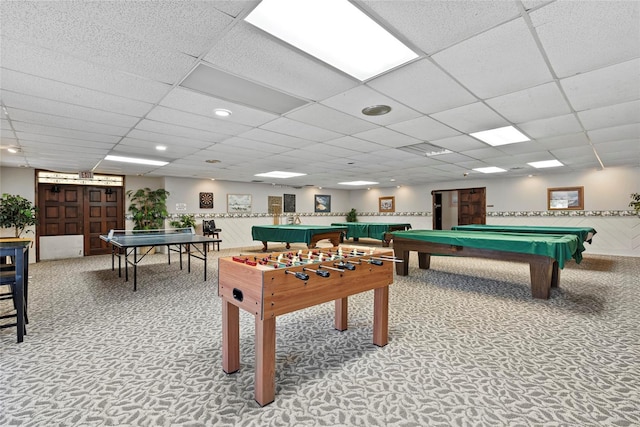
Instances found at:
x=268 y=286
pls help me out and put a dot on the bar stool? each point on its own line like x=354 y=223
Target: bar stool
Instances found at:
x=7 y=279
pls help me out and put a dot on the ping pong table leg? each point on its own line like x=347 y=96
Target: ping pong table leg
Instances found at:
x=205 y=247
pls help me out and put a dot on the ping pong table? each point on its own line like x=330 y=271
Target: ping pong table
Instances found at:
x=126 y=243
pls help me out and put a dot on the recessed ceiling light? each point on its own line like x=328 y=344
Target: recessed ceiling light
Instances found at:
x=546 y=164
x=280 y=174
x=500 y=136
x=376 y=110
x=334 y=31
x=358 y=183
x=437 y=152
x=221 y=112
x=12 y=150
x=161 y=147
x=491 y=169
x=136 y=160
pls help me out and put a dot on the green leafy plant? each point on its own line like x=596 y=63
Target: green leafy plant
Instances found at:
x=352 y=215
x=18 y=213
x=148 y=208
x=635 y=202
x=184 y=221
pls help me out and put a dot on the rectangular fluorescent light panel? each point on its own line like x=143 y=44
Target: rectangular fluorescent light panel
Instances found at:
x=358 y=183
x=135 y=160
x=280 y=174
x=491 y=169
x=500 y=136
x=334 y=31
x=546 y=164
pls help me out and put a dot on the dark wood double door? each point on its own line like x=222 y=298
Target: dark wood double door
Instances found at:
x=81 y=210
x=470 y=204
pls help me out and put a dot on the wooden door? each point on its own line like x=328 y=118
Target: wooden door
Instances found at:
x=103 y=212
x=61 y=208
x=472 y=206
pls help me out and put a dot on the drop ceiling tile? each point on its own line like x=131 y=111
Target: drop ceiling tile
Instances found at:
x=276 y=138
x=248 y=52
x=616 y=133
x=539 y=102
x=563 y=141
x=610 y=116
x=171 y=130
x=502 y=60
x=459 y=143
x=356 y=144
x=53 y=25
x=387 y=137
x=188 y=27
x=262 y=147
x=606 y=86
x=424 y=128
x=219 y=128
x=63 y=133
x=59 y=140
x=572 y=152
x=18 y=115
x=471 y=118
x=328 y=118
x=203 y=105
x=431 y=90
x=559 y=125
x=433 y=25
x=68 y=69
x=46 y=106
x=483 y=153
x=583 y=36
x=61 y=92
x=300 y=130
x=140 y=146
x=630 y=147
x=167 y=139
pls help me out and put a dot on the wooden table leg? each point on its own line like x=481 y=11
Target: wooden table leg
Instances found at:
x=342 y=312
x=230 y=337
x=265 y=377
x=424 y=260
x=381 y=316
x=555 y=275
x=541 y=275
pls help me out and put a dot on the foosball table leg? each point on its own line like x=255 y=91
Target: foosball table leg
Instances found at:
x=342 y=311
x=230 y=337
x=265 y=376
x=381 y=316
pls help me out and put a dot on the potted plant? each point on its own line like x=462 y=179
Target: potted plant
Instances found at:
x=635 y=202
x=148 y=208
x=18 y=213
x=184 y=221
x=352 y=215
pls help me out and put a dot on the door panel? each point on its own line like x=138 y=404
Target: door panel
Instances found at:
x=472 y=206
x=104 y=212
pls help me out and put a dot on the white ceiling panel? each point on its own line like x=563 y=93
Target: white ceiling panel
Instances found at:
x=218 y=127
x=610 y=85
x=424 y=128
x=61 y=92
x=354 y=100
x=432 y=91
x=46 y=106
x=558 y=125
x=48 y=64
x=586 y=35
x=203 y=105
x=502 y=60
x=18 y=115
x=81 y=79
x=248 y=52
x=328 y=118
x=539 y=102
x=613 y=115
x=616 y=133
x=171 y=129
x=428 y=25
x=300 y=130
x=387 y=137
x=471 y=118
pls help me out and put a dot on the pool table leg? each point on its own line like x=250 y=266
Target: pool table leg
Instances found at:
x=541 y=277
x=402 y=268
x=555 y=276
x=424 y=260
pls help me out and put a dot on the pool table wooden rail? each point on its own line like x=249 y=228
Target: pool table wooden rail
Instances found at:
x=544 y=270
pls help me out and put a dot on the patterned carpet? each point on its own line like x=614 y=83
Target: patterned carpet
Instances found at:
x=468 y=346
